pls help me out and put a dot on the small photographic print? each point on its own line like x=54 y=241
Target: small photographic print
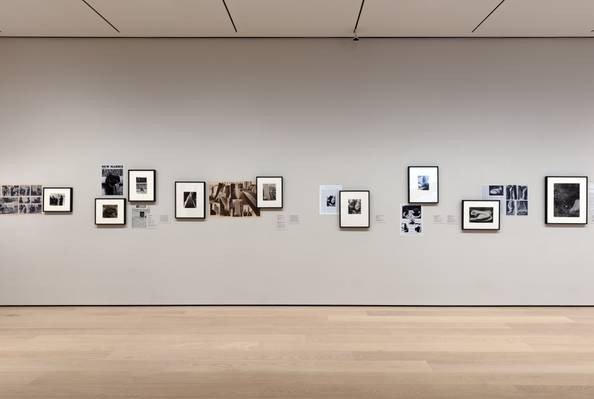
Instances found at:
x=25 y=191
x=411 y=221
x=24 y=200
x=496 y=191
x=567 y=200
x=110 y=211
x=511 y=192
x=423 y=183
x=36 y=190
x=141 y=185
x=480 y=214
x=269 y=192
x=6 y=191
x=9 y=206
x=190 y=199
x=14 y=191
x=522 y=208
x=354 y=206
x=510 y=208
x=329 y=199
x=523 y=193
x=56 y=199
x=112 y=180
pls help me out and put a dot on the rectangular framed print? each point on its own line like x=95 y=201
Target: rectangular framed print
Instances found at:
x=423 y=184
x=269 y=192
x=190 y=200
x=142 y=185
x=110 y=211
x=481 y=215
x=566 y=200
x=353 y=209
x=57 y=199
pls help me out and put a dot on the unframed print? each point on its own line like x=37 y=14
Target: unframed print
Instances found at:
x=329 y=199
x=411 y=220
x=112 y=180
x=233 y=199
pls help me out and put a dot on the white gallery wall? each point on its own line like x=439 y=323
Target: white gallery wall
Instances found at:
x=322 y=111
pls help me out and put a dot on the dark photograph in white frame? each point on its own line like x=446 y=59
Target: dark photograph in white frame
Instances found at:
x=190 y=200
x=142 y=185
x=57 y=199
x=423 y=184
x=110 y=211
x=269 y=192
x=481 y=215
x=566 y=200
x=353 y=211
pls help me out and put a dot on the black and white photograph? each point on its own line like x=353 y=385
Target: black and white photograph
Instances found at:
x=481 y=215
x=142 y=185
x=496 y=191
x=24 y=191
x=423 y=184
x=329 y=199
x=522 y=193
x=510 y=208
x=9 y=206
x=411 y=220
x=354 y=208
x=566 y=200
x=511 y=192
x=522 y=208
x=233 y=199
x=112 y=180
x=10 y=191
x=190 y=200
x=269 y=192
x=110 y=211
x=57 y=199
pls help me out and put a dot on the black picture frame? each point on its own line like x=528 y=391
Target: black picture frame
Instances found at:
x=70 y=193
x=408 y=185
x=462 y=221
x=203 y=200
x=124 y=207
x=282 y=191
x=154 y=196
x=340 y=215
x=548 y=220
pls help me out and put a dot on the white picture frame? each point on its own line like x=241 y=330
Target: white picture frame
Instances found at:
x=354 y=209
x=269 y=191
x=142 y=185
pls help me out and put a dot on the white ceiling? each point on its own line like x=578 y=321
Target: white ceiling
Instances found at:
x=296 y=18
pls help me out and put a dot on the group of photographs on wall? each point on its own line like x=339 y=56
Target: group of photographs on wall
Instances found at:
x=566 y=200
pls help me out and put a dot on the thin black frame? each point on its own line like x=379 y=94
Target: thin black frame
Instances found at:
x=340 y=209
x=154 y=184
x=58 y=188
x=498 y=218
x=282 y=192
x=111 y=199
x=438 y=186
x=203 y=200
x=547 y=201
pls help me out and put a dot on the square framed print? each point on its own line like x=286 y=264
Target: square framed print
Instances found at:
x=423 y=184
x=566 y=200
x=57 y=199
x=142 y=185
x=481 y=215
x=110 y=211
x=269 y=191
x=190 y=200
x=353 y=211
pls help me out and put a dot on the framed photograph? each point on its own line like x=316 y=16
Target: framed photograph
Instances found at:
x=269 y=192
x=110 y=211
x=190 y=200
x=481 y=215
x=57 y=199
x=354 y=209
x=142 y=184
x=423 y=184
x=566 y=200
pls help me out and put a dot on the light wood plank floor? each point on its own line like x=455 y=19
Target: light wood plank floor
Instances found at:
x=296 y=352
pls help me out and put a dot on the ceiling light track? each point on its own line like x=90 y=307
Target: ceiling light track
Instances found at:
x=230 y=16
x=102 y=17
x=487 y=17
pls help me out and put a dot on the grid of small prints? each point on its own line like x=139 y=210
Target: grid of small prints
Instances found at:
x=21 y=199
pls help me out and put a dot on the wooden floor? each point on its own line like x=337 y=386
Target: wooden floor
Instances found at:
x=294 y=352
